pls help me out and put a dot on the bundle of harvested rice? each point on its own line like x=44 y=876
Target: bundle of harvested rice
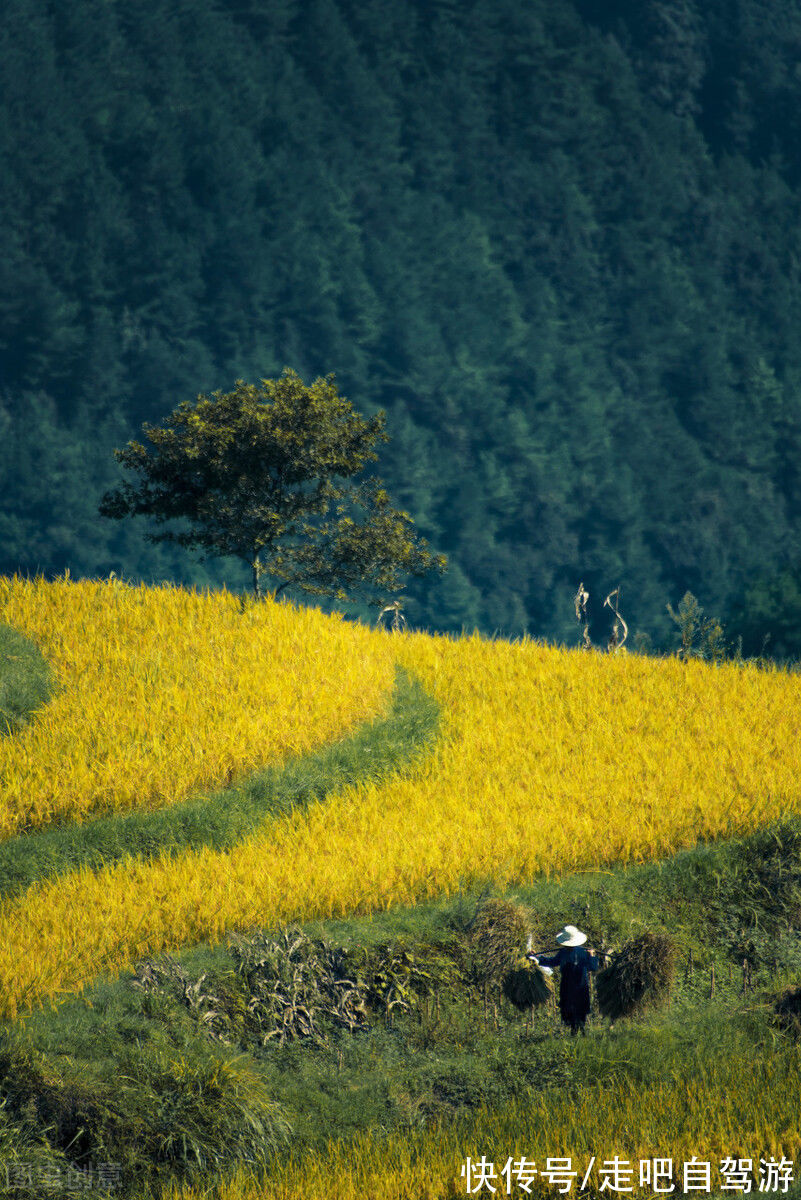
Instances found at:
x=527 y=986
x=638 y=978
x=788 y=1011
x=497 y=938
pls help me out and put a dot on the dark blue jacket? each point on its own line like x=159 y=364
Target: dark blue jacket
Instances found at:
x=575 y=964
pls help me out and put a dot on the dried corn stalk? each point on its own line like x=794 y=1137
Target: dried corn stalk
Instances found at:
x=615 y=641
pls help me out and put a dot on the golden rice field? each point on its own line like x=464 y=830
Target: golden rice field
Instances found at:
x=550 y=760
x=163 y=691
x=737 y=1109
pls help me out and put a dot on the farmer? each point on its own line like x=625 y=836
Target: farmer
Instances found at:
x=575 y=963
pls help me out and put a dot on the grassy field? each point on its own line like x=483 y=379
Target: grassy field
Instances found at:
x=621 y=793
x=395 y=1106
x=25 y=680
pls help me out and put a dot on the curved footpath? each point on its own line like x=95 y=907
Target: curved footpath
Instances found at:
x=225 y=818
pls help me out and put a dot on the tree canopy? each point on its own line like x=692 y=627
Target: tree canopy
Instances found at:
x=264 y=473
x=557 y=243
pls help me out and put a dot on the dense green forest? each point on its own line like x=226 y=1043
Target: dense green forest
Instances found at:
x=559 y=242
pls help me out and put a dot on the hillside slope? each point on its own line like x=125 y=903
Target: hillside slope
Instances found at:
x=547 y=761
x=559 y=243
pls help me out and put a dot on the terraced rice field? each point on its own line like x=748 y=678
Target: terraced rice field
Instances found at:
x=548 y=761
x=161 y=691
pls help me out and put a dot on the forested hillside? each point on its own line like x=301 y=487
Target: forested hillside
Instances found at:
x=558 y=242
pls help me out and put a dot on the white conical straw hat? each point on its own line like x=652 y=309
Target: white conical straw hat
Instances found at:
x=570 y=936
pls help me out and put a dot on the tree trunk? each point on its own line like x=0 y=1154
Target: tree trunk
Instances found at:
x=256 y=575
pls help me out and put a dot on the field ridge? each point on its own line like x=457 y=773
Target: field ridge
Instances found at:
x=226 y=817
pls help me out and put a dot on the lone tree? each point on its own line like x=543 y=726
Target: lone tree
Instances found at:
x=263 y=474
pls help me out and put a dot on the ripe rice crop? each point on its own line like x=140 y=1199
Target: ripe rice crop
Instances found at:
x=551 y=760
x=737 y=1108
x=162 y=691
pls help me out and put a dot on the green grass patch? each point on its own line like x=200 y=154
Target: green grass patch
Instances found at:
x=404 y=1036
x=222 y=819
x=26 y=680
